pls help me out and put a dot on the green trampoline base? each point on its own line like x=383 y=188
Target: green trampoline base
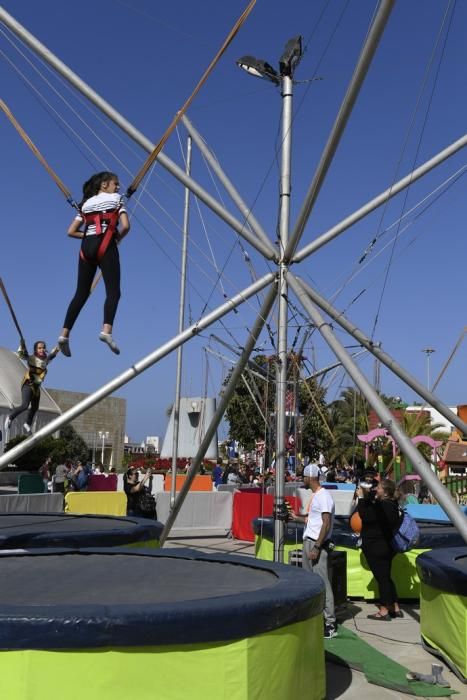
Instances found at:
x=285 y=663
x=360 y=581
x=443 y=626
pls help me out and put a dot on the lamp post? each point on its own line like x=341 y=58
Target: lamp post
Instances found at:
x=103 y=434
x=284 y=77
x=428 y=352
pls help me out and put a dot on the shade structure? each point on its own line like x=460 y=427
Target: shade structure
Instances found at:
x=360 y=580
x=157 y=623
x=31 y=530
x=443 y=606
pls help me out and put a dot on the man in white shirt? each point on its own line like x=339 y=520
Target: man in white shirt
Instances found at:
x=316 y=538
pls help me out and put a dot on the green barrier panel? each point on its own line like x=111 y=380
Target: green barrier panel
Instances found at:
x=285 y=663
x=443 y=625
x=360 y=581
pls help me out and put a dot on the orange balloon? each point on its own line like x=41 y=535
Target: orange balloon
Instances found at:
x=355 y=522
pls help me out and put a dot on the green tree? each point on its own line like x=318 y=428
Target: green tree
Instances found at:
x=68 y=446
x=252 y=419
x=246 y=421
x=35 y=458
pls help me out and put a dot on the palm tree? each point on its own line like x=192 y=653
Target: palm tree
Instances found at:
x=348 y=417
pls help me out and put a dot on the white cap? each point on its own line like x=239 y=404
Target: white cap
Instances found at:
x=312 y=470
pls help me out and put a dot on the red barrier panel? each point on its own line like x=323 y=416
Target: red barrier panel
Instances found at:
x=102 y=482
x=247 y=506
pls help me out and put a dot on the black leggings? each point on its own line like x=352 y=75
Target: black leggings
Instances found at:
x=28 y=398
x=379 y=560
x=110 y=266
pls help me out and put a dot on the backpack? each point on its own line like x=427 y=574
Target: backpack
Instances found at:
x=146 y=504
x=407 y=535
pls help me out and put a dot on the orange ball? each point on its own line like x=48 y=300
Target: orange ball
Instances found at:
x=355 y=522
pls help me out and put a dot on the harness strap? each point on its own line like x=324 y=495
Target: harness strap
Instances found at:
x=97 y=218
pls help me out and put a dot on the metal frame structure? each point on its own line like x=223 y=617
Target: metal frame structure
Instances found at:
x=279 y=282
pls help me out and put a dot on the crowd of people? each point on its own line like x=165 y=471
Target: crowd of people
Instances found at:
x=70 y=475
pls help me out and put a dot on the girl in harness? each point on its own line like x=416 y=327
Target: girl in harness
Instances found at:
x=32 y=380
x=102 y=224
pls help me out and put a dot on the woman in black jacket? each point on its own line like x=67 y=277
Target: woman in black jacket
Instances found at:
x=380 y=516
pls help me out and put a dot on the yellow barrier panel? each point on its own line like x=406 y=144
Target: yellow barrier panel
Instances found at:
x=96 y=502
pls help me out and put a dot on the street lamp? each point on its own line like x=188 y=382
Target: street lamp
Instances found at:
x=103 y=434
x=284 y=77
x=428 y=352
x=287 y=63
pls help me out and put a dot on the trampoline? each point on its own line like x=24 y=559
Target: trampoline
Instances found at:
x=31 y=530
x=360 y=581
x=443 y=606
x=157 y=623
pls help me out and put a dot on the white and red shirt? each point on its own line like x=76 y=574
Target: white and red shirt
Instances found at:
x=101 y=202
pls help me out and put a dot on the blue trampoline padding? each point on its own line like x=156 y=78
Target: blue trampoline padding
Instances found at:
x=444 y=569
x=430 y=512
x=31 y=530
x=73 y=599
x=432 y=535
x=340 y=487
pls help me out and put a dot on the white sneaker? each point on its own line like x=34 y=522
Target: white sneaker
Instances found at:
x=27 y=428
x=107 y=338
x=64 y=345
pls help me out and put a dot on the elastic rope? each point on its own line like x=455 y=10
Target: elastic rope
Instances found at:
x=158 y=148
x=422 y=89
x=28 y=141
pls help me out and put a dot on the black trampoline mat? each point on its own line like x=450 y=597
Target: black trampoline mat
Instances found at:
x=18 y=524
x=100 y=579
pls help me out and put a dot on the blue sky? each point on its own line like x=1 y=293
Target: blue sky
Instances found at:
x=145 y=59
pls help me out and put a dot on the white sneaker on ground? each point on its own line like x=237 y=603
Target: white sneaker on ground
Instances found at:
x=27 y=428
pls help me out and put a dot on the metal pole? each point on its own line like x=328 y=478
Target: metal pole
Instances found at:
x=248 y=215
x=386 y=359
x=361 y=69
x=380 y=199
x=388 y=421
x=428 y=352
x=281 y=387
x=136 y=369
x=50 y=58
x=181 y=323
x=223 y=403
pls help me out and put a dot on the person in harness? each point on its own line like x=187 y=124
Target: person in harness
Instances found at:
x=102 y=224
x=31 y=385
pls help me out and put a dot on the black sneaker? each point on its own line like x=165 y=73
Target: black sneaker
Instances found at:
x=329 y=631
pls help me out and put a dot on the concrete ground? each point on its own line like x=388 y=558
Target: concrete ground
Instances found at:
x=398 y=639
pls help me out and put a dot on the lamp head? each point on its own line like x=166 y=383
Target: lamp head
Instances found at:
x=291 y=56
x=258 y=68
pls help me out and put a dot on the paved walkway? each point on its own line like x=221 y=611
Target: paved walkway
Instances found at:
x=398 y=639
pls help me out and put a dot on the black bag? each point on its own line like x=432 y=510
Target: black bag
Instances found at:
x=147 y=504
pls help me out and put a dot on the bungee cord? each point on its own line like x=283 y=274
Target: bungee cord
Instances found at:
x=96 y=158
x=160 y=145
x=417 y=105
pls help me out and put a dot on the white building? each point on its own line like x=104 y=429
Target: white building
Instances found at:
x=436 y=417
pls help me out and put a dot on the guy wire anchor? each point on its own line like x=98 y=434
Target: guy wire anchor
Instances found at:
x=436 y=677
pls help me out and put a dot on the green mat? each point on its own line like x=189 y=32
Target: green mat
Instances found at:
x=349 y=650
